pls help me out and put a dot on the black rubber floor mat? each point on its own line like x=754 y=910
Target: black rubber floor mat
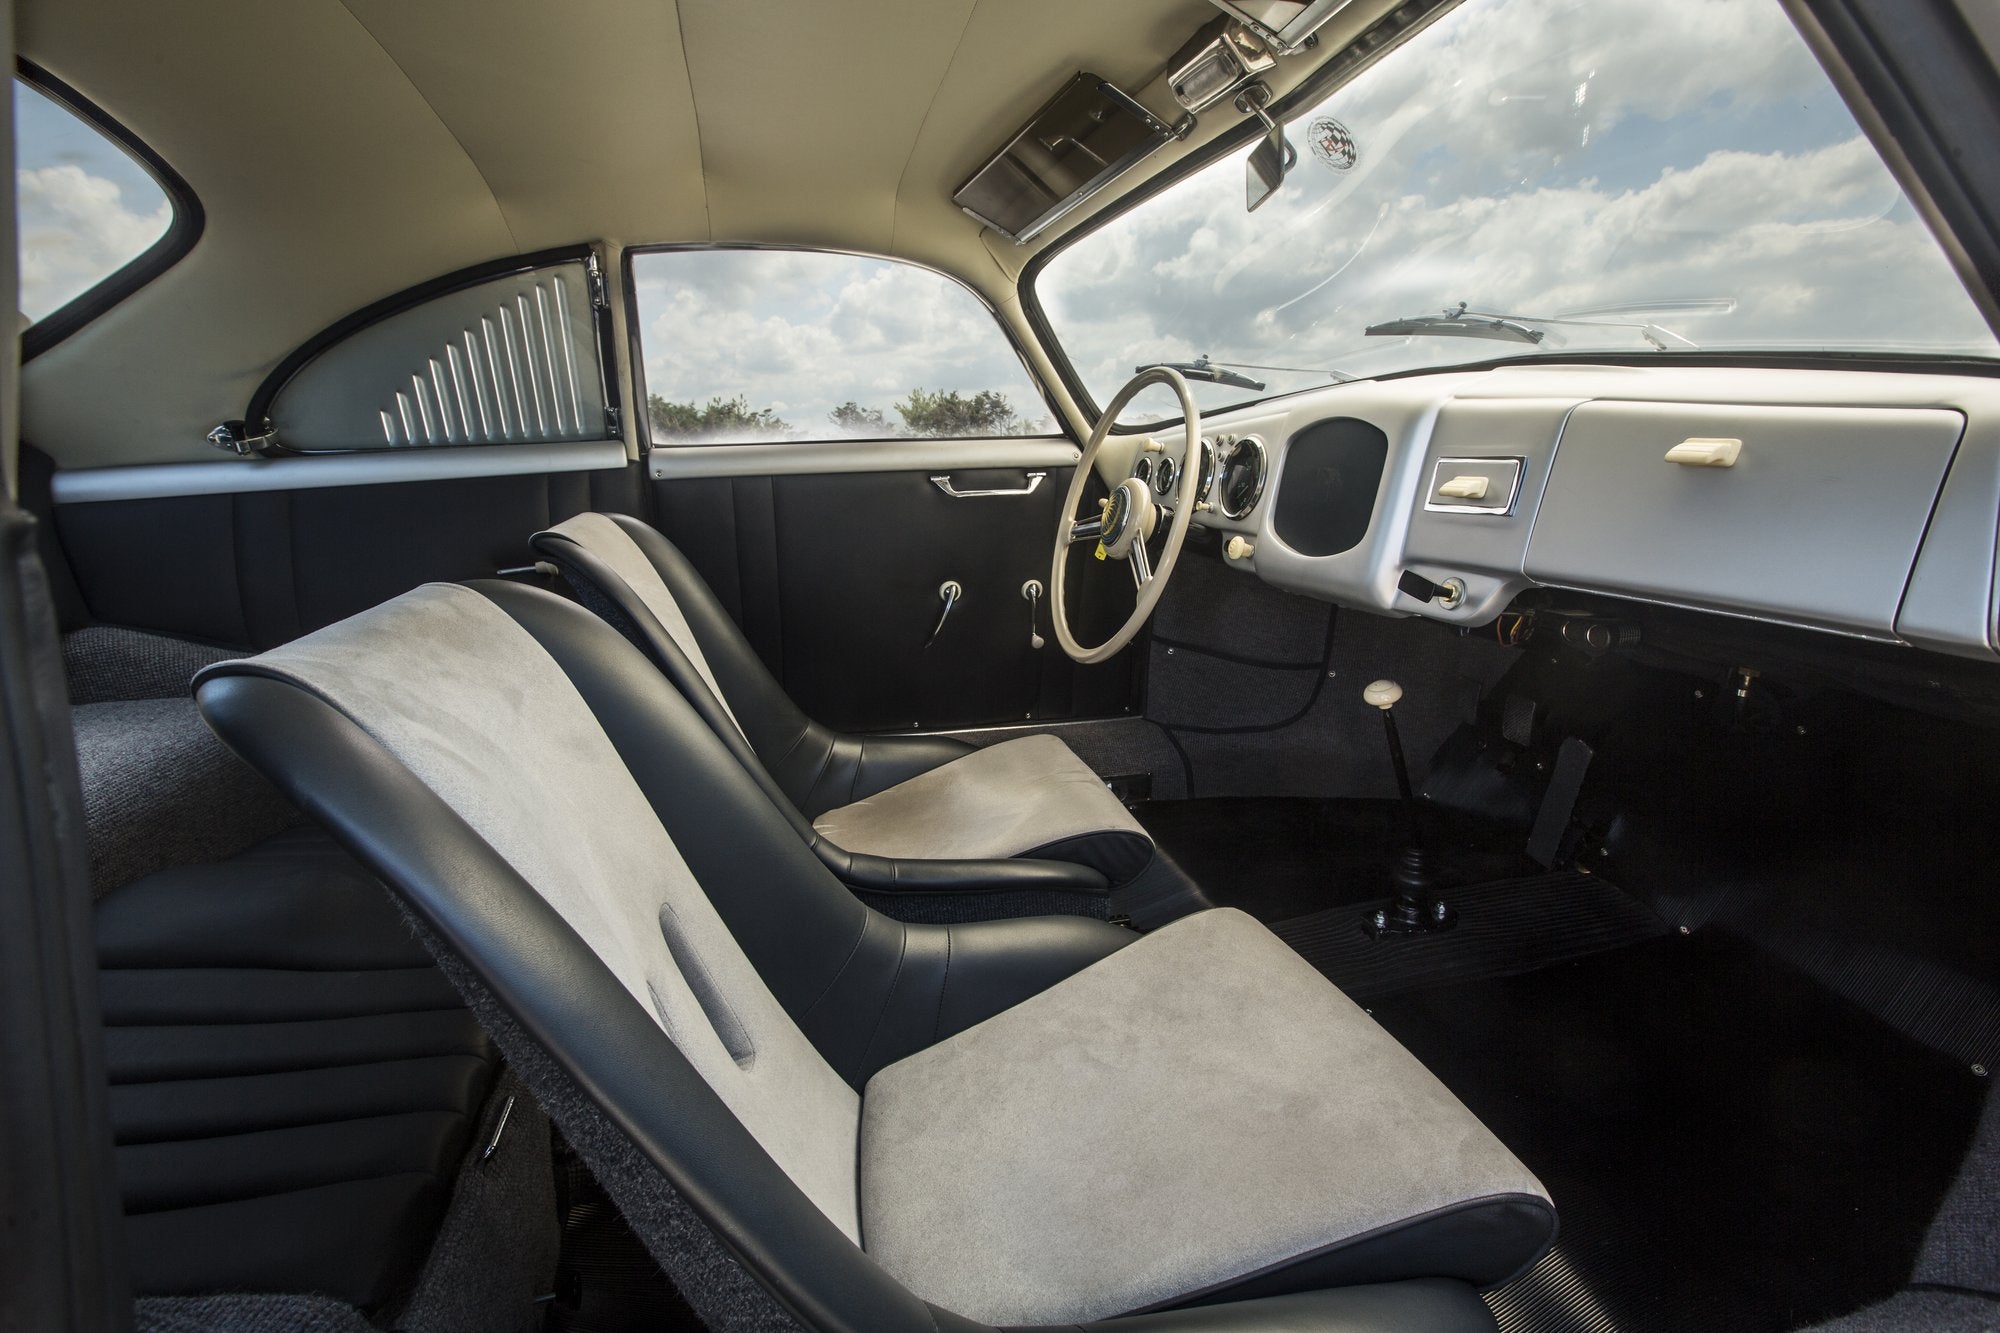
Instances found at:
x=1729 y=1144
x=1505 y=927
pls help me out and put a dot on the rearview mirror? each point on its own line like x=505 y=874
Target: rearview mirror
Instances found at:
x=1273 y=156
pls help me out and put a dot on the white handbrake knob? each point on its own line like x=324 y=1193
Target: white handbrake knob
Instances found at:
x=1382 y=694
x=1239 y=548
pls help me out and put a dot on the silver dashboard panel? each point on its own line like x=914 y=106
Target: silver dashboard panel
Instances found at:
x=1816 y=522
x=1867 y=503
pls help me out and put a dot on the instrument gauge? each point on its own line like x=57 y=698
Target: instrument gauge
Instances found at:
x=1241 y=477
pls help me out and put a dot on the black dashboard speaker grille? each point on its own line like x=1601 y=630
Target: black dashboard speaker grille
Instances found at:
x=1326 y=496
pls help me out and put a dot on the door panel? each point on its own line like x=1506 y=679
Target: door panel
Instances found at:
x=256 y=568
x=834 y=577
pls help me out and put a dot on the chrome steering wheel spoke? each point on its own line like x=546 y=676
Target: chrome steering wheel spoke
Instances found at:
x=1142 y=564
x=1086 y=530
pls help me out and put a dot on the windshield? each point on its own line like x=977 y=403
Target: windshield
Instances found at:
x=1526 y=178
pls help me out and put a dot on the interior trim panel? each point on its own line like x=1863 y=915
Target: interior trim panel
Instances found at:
x=1837 y=500
x=161 y=481
x=811 y=458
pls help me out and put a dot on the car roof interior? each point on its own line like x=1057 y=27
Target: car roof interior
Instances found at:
x=676 y=664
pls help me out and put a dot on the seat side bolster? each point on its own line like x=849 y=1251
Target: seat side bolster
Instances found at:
x=954 y=976
x=886 y=874
x=878 y=763
x=1459 y=1242
x=600 y=589
x=817 y=767
x=563 y=999
x=768 y=714
x=1436 y=1305
x=751 y=854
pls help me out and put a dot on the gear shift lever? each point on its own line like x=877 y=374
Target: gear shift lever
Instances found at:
x=1417 y=908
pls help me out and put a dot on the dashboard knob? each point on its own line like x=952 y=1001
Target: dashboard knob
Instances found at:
x=1239 y=548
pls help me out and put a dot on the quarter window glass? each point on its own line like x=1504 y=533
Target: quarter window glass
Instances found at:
x=743 y=346
x=86 y=207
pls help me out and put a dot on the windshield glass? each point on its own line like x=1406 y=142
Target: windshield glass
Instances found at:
x=1526 y=178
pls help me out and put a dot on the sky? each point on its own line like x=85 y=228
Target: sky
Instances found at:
x=1532 y=157
x=86 y=208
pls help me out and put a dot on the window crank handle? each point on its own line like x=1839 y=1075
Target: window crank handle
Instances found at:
x=1032 y=592
x=948 y=592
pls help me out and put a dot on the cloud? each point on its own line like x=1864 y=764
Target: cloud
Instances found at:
x=804 y=332
x=76 y=230
x=1533 y=157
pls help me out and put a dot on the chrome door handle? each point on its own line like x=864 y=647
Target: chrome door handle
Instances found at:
x=943 y=483
x=948 y=592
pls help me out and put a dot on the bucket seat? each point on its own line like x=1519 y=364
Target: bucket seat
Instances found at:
x=905 y=814
x=872 y=1125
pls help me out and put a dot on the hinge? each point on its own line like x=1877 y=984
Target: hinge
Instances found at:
x=600 y=295
x=233 y=437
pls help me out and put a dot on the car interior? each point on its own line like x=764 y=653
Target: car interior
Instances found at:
x=1271 y=666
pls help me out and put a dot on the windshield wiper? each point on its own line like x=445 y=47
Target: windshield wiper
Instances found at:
x=1215 y=372
x=1201 y=368
x=1459 y=323
x=1464 y=323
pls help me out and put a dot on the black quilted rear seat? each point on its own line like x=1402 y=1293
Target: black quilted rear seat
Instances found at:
x=294 y=1083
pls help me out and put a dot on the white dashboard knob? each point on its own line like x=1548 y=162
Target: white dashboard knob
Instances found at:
x=1382 y=694
x=1239 y=548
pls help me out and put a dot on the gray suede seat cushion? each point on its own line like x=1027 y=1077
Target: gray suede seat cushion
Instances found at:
x=1027 y=797
x=1198 y=1107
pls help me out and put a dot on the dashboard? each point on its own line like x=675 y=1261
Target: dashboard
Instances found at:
x=1853 y=502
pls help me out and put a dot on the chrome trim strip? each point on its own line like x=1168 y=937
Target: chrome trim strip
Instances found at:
x=156 y=481
x=688 y=461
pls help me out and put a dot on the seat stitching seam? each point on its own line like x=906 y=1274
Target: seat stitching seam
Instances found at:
x=944 y=984
x=895 y=980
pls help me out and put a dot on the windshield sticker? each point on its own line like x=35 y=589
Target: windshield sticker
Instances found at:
x=1332 y=144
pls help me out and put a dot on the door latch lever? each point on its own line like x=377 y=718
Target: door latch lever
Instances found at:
x=948 y=592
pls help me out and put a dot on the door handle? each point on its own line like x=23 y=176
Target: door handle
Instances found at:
x=948 y=592
x=943 y=483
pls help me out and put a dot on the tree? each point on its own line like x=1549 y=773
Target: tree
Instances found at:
x=722 y=417
x=855 y=419
x=943 y=414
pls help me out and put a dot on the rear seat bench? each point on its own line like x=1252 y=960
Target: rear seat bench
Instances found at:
x=301 y=1104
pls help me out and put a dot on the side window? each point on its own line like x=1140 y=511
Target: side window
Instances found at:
x=87 y=207
x=510 y=359
x=744 y=346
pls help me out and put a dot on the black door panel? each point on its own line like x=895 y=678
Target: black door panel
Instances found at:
x=257 y=568
x=834 y=577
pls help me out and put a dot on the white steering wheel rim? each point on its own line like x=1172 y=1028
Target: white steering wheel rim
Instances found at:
x=1184 y=500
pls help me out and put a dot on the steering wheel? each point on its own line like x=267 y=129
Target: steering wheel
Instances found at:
x=1127 y=519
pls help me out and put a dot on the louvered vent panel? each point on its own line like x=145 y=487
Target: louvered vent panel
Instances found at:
x=511 y=361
